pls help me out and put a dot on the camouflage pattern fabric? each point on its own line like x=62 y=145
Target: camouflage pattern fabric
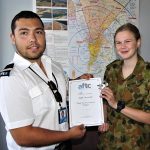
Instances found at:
x=125 y=133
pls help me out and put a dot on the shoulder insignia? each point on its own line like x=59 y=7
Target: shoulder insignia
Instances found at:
x=6 y=70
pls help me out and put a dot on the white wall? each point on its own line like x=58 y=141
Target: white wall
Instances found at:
x=9 y=8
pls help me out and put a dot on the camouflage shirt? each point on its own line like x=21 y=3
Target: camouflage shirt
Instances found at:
x=125 y=133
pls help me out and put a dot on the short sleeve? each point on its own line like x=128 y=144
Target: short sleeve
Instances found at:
x=15 y=103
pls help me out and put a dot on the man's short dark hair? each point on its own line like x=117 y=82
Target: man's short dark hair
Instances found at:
x=24 y=14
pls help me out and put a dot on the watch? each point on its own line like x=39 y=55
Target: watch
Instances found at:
x=120 y=105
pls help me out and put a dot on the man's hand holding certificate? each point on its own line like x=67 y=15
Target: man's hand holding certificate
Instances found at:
x=85 y=104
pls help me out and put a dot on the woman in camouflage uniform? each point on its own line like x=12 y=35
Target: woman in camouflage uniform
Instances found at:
x=128 y=95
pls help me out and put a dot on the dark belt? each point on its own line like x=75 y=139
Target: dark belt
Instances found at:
x=64 y=146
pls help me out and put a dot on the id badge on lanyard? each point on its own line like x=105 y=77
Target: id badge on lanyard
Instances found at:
x=62 y=115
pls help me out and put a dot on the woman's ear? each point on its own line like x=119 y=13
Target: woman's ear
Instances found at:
x=139 y=43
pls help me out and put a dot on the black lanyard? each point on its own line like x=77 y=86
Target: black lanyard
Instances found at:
x=52 y=86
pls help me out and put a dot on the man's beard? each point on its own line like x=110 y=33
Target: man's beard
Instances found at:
x=31 y=58
x=34 y=58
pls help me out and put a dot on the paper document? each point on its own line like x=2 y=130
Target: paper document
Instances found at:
x=85 y=104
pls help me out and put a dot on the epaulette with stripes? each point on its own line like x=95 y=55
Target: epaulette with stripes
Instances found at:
x=6 y=70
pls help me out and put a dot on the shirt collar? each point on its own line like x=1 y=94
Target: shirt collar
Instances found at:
x=21 y=62
x=139 y=66
x=137 y=70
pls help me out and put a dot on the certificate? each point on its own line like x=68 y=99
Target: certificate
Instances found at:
x=85 y=104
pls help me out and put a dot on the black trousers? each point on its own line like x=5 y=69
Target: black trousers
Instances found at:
x=64 y=146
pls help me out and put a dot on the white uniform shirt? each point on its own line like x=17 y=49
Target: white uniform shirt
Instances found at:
x=26 y=99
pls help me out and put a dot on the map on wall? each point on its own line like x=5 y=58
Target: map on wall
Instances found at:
x=91 y=27
x=79 y=33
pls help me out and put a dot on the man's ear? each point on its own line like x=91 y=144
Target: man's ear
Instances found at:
x=12 y=38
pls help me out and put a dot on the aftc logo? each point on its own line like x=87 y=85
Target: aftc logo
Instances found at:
x=84 y=86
